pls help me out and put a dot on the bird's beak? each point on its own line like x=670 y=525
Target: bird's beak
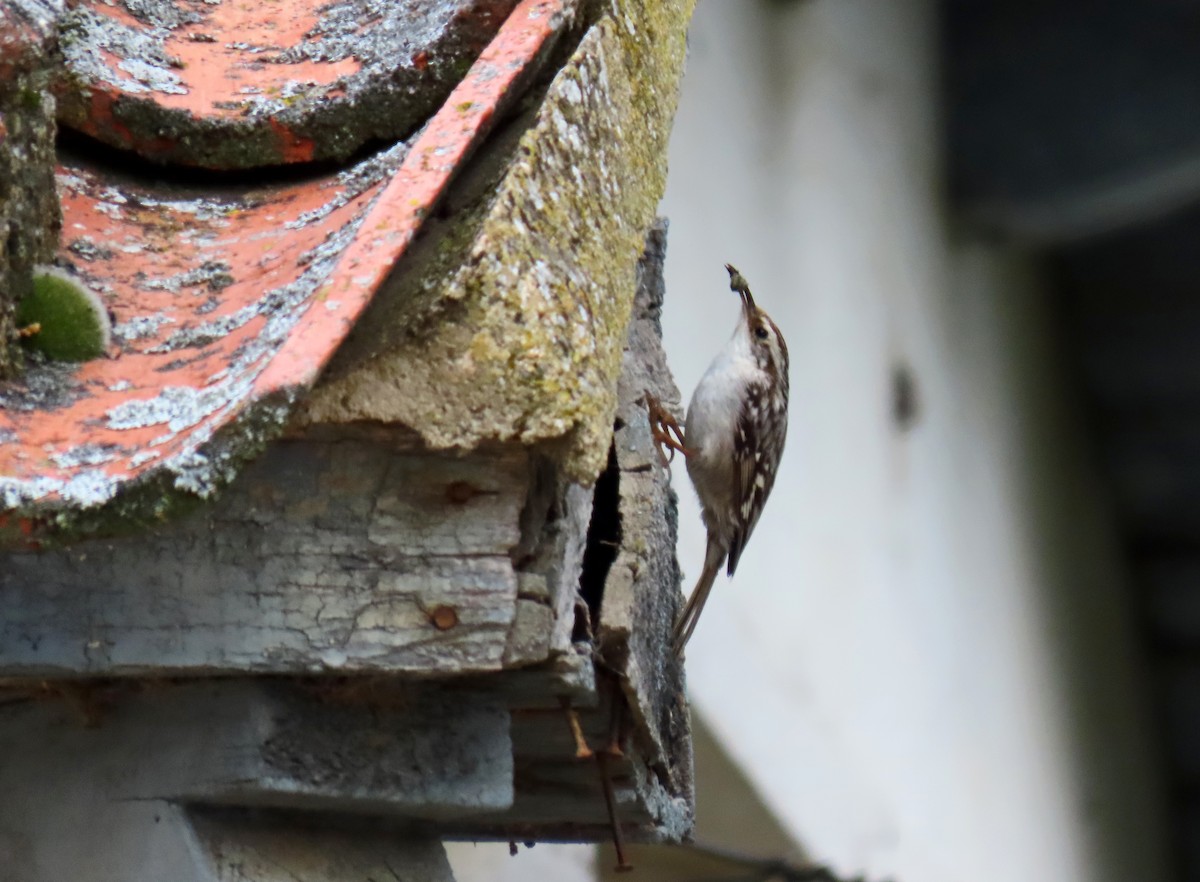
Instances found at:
x=738 y=283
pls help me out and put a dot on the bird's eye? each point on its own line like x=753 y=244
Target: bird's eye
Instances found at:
x=761 y=333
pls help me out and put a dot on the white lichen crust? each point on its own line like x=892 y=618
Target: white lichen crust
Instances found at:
x=541 y=302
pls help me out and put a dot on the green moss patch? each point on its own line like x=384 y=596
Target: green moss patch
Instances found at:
x=62 y=319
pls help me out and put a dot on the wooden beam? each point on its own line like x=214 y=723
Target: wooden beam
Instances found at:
x=351 y=555
x=240 y=849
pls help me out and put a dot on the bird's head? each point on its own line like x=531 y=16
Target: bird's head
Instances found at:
x=766 y=342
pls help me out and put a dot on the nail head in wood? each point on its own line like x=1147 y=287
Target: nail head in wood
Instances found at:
x=443 y=617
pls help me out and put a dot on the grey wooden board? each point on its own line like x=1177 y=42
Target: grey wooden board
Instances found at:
x=1067 y=118
x=570 y=674
x=564 y=800
x=78 y=777
x=556 y=795
x=642 y=592
x=414 y=752
x=324 y=555
x=236 y=849
x=554 y=528
x=562 y=560
x=61 y=833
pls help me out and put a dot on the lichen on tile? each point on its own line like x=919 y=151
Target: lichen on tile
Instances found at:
x=227 y=85
x=543 y=297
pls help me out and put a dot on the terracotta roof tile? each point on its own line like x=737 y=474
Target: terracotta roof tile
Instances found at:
x=227 y=301
x=235 y=85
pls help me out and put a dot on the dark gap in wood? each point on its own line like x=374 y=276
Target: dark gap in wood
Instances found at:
x=603 y=537
x=541 y=511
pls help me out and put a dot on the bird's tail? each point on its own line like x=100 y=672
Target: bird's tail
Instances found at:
x=714 y=556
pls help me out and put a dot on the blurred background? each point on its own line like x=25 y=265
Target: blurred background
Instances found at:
x=962 y=643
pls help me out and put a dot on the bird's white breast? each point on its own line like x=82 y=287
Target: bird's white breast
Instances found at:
x=712 y=419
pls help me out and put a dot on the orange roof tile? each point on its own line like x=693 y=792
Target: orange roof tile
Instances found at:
x=235 y=85
x=227 y=302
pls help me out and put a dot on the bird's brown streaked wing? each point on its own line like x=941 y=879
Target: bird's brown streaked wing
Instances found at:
x=757 y=443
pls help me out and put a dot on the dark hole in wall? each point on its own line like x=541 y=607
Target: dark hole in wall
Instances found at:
x=603 y=536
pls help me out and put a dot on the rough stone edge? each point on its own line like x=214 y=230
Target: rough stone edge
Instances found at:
x=30 y=218
x=642 y=592
x=544 y=296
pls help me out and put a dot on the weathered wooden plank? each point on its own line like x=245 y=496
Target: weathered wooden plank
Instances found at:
x=564 y=800
x=239 y=849
x=357 y=554
x=641 y=593
x=567 y=675
x=338 y=745
x=529 y=639
x=437 y=504
x=554 y=529
x=637 y=700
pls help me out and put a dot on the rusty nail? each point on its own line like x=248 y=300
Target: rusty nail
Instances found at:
x=582 y=751
x=460 y=492
x=443 y=617
x=614 y=722
x=610 y=800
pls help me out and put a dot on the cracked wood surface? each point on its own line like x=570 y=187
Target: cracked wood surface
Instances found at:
x=410 y=751
x=642 y=590
x=349 y=554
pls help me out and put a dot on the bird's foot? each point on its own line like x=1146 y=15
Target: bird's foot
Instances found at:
x=665 y=430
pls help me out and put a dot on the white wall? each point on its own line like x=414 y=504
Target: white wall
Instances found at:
x=922 y=661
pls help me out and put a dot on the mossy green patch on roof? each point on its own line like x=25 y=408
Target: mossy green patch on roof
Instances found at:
x=62 y=319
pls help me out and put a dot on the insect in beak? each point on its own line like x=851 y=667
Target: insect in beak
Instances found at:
x=738 y=284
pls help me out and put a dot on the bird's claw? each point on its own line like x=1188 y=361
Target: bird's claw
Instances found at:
x=664 y=429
